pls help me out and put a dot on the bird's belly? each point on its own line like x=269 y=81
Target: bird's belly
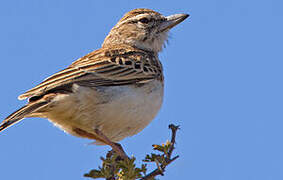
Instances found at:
x=118 y=111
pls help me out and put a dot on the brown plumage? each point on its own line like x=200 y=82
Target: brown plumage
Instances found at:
x=104 y=67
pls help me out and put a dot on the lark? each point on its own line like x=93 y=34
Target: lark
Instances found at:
x=111 y=93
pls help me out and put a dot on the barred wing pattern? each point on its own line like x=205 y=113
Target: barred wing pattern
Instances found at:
x=104 y=67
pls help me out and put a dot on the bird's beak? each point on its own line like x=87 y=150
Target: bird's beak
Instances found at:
x=172 y=21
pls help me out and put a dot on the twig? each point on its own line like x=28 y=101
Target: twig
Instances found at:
x=173 y=138
x=161 y=168
x=157 y=171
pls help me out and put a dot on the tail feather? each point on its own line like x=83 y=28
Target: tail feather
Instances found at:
x=21 y=114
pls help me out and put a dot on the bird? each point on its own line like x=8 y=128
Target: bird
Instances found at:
x=111 y=93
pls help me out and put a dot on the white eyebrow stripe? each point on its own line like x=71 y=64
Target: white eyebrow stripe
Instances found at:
x=132 y=18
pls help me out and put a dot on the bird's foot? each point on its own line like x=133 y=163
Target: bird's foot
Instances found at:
x=115 y=146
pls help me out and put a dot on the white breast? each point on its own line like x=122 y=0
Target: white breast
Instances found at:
x=118 y=111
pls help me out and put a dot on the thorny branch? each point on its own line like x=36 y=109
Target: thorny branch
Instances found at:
x=116 y=168
x=160 y=169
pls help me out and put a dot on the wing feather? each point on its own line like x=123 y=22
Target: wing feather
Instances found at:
x=100 y=68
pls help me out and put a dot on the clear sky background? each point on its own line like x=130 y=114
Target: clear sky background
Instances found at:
x=223 y=72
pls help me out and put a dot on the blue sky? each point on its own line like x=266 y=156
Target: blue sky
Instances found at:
x=223 y=72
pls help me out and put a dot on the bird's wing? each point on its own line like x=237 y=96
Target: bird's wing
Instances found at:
x=104 y=67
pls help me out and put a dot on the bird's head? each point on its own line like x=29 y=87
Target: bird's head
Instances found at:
x=144 y=29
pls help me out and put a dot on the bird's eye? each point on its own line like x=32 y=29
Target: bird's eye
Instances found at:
x=144 y=20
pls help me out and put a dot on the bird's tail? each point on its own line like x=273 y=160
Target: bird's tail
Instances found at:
x=21 y=113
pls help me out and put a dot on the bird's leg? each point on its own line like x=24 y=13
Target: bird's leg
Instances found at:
x=115 y=146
